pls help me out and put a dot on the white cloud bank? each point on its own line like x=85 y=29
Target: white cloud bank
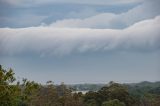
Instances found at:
x=47 y=40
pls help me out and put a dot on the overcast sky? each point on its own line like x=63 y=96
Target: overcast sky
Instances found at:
x=81 y=41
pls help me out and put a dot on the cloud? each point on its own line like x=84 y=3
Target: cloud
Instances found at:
x=97 y=2
x=47 y=40
x=147 y=10
x=30 y=20
x=79 y=15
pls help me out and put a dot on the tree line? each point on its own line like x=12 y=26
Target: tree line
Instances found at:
x=30 y=93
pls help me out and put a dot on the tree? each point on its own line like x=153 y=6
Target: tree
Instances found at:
x=91 y=102
x=114 y=102
x=45 y=96
x=8 y=92
x=91 y=99
x=116 y=91
x=29 y=90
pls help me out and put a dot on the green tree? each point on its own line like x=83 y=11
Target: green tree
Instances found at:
x=116 y=91
x=114 y=102
x=91 y=102
x=8 y=91
x=91 y=98
x=45 y=96
x=29 y=90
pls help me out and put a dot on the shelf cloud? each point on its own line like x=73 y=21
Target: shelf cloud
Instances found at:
x=48 y=40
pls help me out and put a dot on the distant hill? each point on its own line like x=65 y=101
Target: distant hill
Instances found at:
x=145 y=86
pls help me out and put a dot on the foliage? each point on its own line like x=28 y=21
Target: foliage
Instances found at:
x=7 y=92
x=114 y=102
x=30 y=93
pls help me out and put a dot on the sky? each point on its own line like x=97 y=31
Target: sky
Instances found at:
x=81 y=41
